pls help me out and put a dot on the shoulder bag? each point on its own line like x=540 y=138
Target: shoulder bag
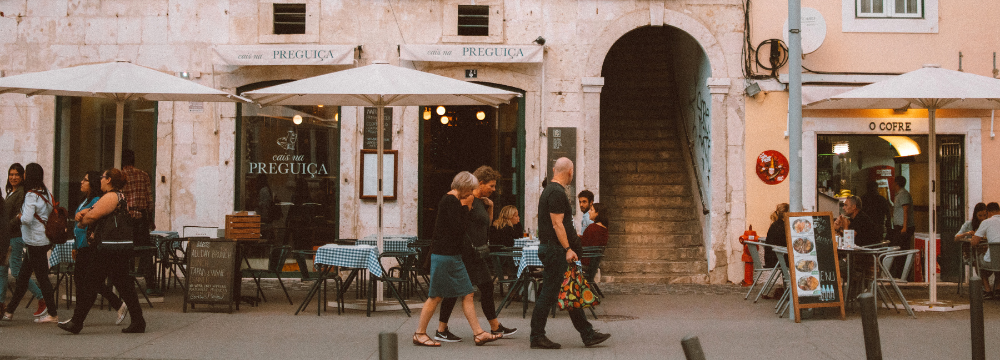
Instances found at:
x=115 y=229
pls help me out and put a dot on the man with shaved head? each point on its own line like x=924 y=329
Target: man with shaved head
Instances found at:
x=558 y=248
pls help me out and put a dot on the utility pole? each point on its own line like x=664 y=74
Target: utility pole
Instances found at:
x=795 y=105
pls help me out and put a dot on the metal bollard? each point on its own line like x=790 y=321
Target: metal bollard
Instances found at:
x=692 y=348
x=976 y=318
x=388 y=346
x=869 y=324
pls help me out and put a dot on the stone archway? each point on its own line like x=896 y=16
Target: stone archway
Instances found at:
x=722 y=188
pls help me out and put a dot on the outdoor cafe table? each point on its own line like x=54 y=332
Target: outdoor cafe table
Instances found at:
x=529 y=257
x=355 y=258
x=390 y=244
x=522 y=242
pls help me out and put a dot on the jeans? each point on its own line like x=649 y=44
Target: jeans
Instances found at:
x=16 y=258
x=38 y=264
x=113 y=265
x=554 y=260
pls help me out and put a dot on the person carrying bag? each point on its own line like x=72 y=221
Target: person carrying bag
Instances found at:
x=575 y=291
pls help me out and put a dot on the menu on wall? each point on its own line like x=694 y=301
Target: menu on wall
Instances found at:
x=371 y=128
x=211 y=266
x=562 y=143
x=812 y=262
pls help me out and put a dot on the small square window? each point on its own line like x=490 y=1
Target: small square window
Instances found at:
x=890 y=9
x=289 y=19
x=473 y=20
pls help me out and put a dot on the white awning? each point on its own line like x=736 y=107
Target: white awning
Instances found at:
x=472 y=53
x=284 y=54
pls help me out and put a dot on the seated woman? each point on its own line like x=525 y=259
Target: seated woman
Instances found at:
x=505 y=229
x=595 y=235
x=775 y=235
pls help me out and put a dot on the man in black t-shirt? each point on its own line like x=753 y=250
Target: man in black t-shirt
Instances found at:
x=558 y=247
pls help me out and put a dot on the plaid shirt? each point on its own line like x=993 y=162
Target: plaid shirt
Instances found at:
x=136 y=190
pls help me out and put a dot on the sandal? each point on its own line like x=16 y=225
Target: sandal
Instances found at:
x=429 y=342
x=489 y=338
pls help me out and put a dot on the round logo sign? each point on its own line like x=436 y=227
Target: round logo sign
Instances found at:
x=772 y=167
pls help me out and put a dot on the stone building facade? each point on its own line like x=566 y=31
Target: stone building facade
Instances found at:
x=651 y=88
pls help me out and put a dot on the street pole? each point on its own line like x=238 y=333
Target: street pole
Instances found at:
x=795 y=105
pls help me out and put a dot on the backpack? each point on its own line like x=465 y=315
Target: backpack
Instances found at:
x=57 y=227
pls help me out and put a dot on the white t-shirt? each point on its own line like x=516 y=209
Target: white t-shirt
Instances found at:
x=989 y=229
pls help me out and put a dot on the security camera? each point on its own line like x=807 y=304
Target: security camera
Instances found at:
x=540 y=41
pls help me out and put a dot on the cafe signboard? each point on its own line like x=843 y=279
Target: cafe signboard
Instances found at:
x=812 y=262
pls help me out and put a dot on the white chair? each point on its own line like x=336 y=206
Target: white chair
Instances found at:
x=759 y=269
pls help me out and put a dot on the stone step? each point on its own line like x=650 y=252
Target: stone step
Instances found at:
x=640 y=144
x=676 y=177
x=614 y=132
x=668 y=240
x=664 y=226
x=637 y=253
x=642 y=202
x=616 y=167
x=651 y=267
x=643 y=214
x=645 y=190
x=655 y=278
x=640 y=155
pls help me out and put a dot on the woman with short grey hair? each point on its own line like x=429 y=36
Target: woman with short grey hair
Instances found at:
x=448 y=275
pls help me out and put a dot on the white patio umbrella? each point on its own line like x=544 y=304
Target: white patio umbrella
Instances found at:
x=119 y=81
x=930 y=88
x=380 y=85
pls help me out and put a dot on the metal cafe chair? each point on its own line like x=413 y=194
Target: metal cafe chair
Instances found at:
x=884 y=262
x=275 y=266
x=994 y=263
x=320 y=279
x=759 y=269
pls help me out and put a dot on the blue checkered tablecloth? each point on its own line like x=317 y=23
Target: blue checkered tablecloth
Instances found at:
x=389 y=244
x=62 y=253
x=522 y=242
x=529 y=257
x=350 y=256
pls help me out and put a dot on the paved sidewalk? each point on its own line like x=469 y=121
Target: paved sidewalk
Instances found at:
x=642 y=327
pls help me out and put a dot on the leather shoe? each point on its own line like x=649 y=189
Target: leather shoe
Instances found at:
x=595 y=339
x=70 y=326
x=544 y=343
x=137 y=327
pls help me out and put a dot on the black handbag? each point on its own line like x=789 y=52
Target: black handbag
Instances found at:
x=115 y=230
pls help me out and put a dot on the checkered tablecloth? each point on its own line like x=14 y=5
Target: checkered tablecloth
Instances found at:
x=522 y=242
x=350 y=256
x=529 y=257
x=62 y=253
x=390 y=244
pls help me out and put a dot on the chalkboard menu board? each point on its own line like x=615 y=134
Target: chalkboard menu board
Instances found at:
x=211 y=266
x=562 y=143
x=371 y=128
x=812 y=262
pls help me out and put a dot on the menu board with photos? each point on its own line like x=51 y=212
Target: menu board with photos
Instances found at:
x=812 y=262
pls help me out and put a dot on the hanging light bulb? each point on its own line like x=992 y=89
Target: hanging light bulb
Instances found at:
x=319 y=105
x=444 y=120
x=336 y=117
x=440 y=110
x=481 y=115
x=297 y=119
x=427 y=113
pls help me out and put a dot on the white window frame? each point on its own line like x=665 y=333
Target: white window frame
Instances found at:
x=889 y=10
x=926 y=23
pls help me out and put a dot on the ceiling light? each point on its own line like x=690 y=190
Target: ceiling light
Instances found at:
x=297 y=119
x=319 y=105
x=904 y=145
x=427 y=113
x=336 y=117
x=440 y=110
x=841 y=148
x=481 y=115
x=444 y=120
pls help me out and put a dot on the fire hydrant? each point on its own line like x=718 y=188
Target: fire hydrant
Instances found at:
x=748 y=235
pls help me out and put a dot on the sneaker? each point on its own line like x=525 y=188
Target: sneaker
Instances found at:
x=47 y=319
x=446 y=336
x=595 y=339
x=505 y=331
x=7 y=317
x=42 y=309
x=122 y=311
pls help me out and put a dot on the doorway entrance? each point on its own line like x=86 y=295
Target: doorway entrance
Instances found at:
x=463 y=138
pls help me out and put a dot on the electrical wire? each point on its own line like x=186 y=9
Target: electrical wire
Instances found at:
x=749 y=73
x=776 y=59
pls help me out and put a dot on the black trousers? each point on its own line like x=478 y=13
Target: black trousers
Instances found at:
x=113 y=265
x=554 y=260
x=87 y=259
x=36 y=262
x=905 y=242
x=140 y=236
x=489 y=309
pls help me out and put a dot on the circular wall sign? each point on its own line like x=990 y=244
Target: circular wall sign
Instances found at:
x=772 y=167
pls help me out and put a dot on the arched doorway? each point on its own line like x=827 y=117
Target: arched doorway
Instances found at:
x=653 y=105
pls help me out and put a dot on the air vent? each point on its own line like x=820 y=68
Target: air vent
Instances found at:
x=473 y=20
x=289 y=19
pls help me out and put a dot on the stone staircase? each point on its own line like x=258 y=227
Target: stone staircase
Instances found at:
x=655 y=236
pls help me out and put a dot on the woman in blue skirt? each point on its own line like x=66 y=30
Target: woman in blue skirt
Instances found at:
x=448 y=275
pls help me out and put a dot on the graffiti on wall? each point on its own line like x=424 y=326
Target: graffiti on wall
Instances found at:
x=700 y=134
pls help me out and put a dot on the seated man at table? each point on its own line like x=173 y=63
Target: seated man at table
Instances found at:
x=866 y=232
x=989 y=230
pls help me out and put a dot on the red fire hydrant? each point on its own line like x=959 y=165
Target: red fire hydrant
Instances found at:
x=748 y=235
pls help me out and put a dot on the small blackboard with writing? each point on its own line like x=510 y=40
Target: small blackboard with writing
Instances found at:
x=562 y=143
x=211 y=266
x=371 y=128
x=812 y=262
